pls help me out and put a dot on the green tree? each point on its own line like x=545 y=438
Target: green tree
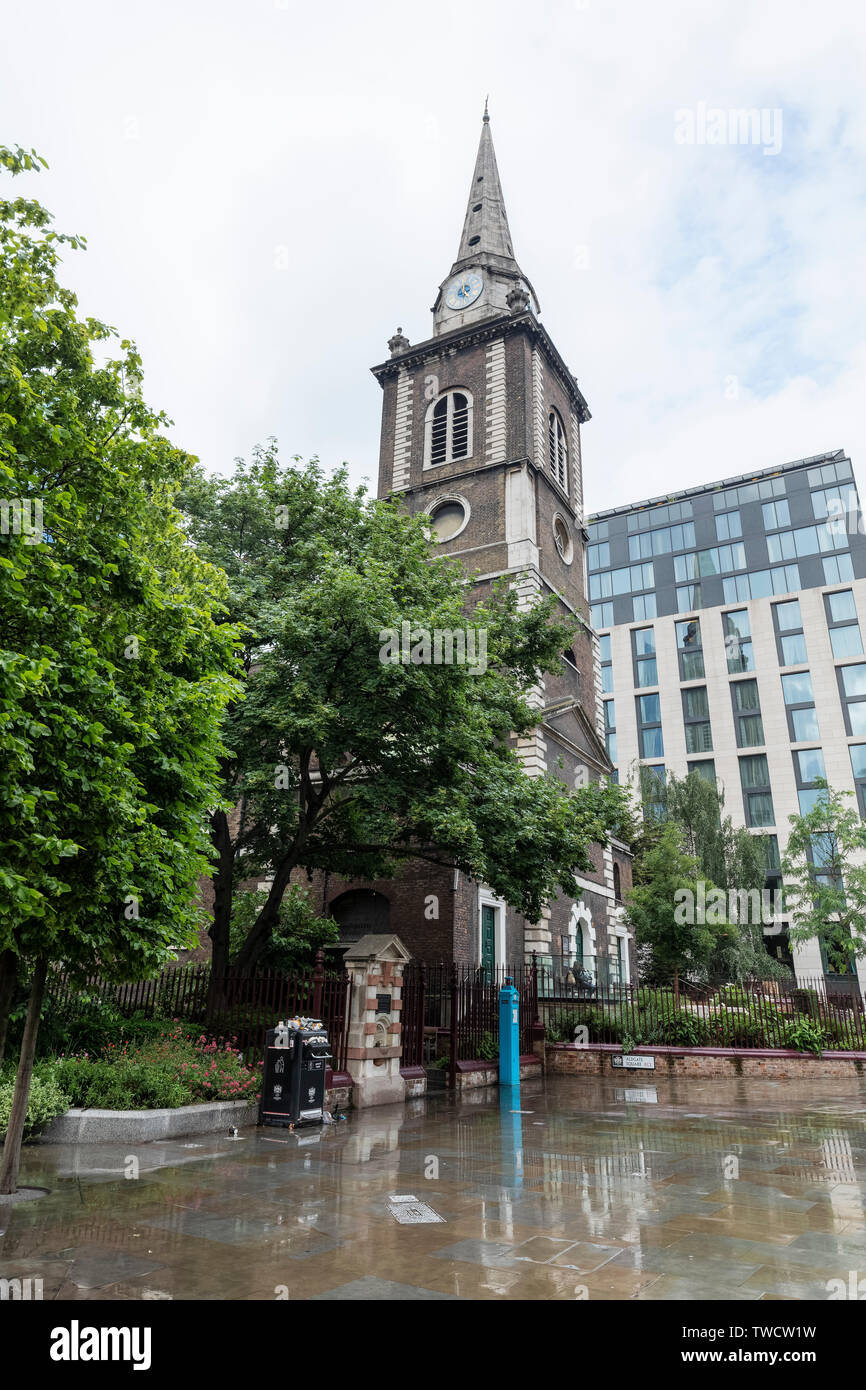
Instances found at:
x=825 y=878
x=343 y=759
x=299 y=929
x=116 y=661
x=728 y=857
x=678 y=946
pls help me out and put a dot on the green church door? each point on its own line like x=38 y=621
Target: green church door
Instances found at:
x=488 y=939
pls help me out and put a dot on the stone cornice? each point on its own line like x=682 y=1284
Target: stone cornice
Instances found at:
x=484 y=332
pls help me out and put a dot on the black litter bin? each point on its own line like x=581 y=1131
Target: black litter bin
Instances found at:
x=293 y=1081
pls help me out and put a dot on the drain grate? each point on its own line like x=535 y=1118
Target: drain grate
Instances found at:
x=408 y=1211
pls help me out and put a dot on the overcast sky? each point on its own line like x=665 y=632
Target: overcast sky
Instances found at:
x=269 y=188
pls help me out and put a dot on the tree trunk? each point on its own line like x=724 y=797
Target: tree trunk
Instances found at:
x=8 y=976
x=220 y=928
x=254 y=946
x=15 y=1132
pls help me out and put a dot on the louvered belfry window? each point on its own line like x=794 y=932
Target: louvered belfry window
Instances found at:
x=557 y=450
x=450 y=428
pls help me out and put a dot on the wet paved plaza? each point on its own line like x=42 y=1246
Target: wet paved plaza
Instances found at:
x=579 y=1188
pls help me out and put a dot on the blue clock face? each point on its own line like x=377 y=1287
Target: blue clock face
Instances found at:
x=463 y=289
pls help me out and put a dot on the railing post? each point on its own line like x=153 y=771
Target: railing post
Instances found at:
x=318 y=981
x=536 y=1028
x=420 y=1014
x=452 y=1062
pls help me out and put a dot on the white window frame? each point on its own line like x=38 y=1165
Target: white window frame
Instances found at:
x=449 y=428
x=557 y=450
x=487 y=898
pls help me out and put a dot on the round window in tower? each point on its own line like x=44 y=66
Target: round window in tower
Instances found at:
x=562 y=538
x=448 y=518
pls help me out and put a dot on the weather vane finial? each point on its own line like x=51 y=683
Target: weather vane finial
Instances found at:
x=486 y=117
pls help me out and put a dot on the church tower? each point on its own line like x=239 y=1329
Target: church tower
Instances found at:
x=481 y=430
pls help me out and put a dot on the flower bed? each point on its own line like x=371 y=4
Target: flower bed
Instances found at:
x=167 y=1071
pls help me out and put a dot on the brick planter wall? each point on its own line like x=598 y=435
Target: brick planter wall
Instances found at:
x=595 y=1060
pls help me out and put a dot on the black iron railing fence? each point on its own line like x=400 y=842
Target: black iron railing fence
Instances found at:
x=452 y=1011
x=806 y=1015
x=242 y=1007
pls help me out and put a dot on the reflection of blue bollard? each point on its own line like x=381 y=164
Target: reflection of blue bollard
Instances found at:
x=509 y=1045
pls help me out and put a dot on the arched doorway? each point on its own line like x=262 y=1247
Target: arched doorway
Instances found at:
x=359 y=912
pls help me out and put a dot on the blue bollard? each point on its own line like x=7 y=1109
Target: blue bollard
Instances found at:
x=509 y=1034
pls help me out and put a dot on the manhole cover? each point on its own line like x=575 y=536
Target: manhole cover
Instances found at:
x=408 y=1211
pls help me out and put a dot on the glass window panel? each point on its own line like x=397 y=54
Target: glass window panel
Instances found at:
x=693 y=666
x=610 y=740
x=643 y=607
x=810 y=761
x=606 y=680
x=695 y=703
x=761 y=584
x=746 y=695
x=754 y=771
x=798 y=689
x=609 y=714
x=647 y=672
x=858 y=759
x=854 y=679
x=788 y=616
x=808 y=799
x=751 y=731
x=689 y=634
x=699 y=738
x=794 y=650
x=645 y=641
x=857 y=716
x=652 y=744
x=846 y=641
x=737 y=623
x=689 y=598
x=601 y=615
x=838 y=569
x=650 y=709
x=760 y=809
x=805 y=725
x=604 y=647
x=740 y=655
x=705 y=769
x=842 y=607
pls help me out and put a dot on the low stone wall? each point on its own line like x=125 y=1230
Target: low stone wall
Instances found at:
x=564 y=1059
x=472 y=1074
x=143 y=1126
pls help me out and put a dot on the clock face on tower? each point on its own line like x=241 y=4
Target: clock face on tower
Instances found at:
x=463 y=289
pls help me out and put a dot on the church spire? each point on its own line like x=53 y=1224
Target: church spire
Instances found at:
x=486 y=253
x=485 y=228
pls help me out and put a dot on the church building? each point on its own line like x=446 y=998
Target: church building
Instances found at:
x=481 y=431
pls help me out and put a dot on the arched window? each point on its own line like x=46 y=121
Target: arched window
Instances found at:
x=557 y=450
x=448 y=429
x=578 y=945
x=617 y=884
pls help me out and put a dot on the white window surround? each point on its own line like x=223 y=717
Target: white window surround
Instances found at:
x=581 y=914
x=487 y=898
x=557 y=450
x=448 y=395
x=567 y=555
x=449 y=497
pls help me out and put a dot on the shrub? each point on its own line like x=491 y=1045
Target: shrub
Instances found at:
x=162 y=1071
x=805 y=1035
x=47 y=1099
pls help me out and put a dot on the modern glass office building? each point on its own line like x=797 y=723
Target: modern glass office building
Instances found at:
x=730 y=620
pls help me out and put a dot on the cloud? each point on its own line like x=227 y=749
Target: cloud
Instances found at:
x=269 y=190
